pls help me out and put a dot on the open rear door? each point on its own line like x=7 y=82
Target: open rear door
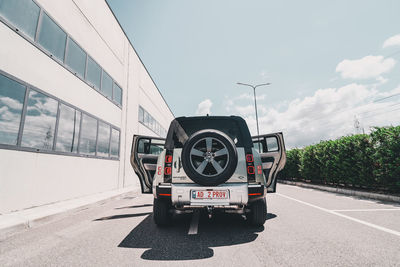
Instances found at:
x=144 y=156
x=273 y=156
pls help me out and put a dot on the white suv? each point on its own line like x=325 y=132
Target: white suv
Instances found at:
x=209 y=162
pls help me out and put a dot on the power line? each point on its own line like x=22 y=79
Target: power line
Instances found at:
x=380 y=113
x=369 y=111
x=383 y=98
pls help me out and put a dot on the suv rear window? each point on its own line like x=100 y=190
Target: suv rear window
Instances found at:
x=182 y=128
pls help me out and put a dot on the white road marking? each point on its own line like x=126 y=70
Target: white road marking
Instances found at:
x=344 y=216
x=194 y=224
x=368 y=210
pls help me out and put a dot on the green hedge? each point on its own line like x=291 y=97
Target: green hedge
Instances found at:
x=365 y=161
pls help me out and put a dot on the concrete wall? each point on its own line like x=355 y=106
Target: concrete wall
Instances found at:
x=31 y=179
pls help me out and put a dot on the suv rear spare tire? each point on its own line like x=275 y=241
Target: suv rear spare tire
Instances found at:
x=209 y=157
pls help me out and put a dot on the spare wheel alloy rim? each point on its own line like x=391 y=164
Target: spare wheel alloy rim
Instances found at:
x=209 y=157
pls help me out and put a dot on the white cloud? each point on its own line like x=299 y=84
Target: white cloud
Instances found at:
x=12 y=103
x=392 y=41
x=251 y=96
x=365 y=68
x=204 y=107
x=327 y=114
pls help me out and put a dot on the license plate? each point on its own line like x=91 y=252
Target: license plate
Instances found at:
x=205 y=194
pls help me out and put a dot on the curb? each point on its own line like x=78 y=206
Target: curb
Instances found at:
x=343 y=191
x=24 y=219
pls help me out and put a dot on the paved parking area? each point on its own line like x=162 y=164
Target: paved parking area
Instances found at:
x=305 y=227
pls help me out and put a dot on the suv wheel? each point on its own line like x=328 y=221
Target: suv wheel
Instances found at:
x=209 y=157
x=161 y=214
x=258 y=212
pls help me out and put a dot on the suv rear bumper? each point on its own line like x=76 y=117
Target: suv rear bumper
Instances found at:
x=238 y=194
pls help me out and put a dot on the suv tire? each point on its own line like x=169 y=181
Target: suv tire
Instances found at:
x=161 y=214
x=258 y=212
x=220 y=143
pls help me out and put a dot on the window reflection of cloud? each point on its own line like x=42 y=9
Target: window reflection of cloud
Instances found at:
x=114 y=143
x=39 y=126
x=40 y=103
x=67 y=134
x=10 y=102
x=10 y=117
x=103 y=140
x=88 y=135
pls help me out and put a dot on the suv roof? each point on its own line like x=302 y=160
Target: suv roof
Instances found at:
x=183 y=127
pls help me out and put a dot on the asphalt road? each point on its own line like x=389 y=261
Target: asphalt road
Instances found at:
x=305 y=227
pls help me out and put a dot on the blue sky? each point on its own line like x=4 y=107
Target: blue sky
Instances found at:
x=326 y=60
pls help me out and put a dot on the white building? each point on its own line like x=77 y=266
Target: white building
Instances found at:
x=71 y=87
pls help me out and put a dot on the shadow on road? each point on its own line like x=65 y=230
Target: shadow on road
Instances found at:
x=122 y=216
x=136 y=206
x=174 y=243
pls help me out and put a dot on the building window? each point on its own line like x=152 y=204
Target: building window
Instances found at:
x=68 y=129
x=23 y=14
x=76 y=58
x=40 y=121
x=141 y=114
x=117 y=94
x=148 y=120
x=103 y=140
x=32 y=22
x=107 y=85
x=114 y=143
x=93 y=74
x=12 y=96
x=87 y=145
x=52 y=37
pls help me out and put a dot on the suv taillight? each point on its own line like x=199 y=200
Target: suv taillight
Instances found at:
x=251 y=177
x=168 y=166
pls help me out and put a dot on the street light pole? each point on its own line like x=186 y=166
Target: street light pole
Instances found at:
x=255 y=104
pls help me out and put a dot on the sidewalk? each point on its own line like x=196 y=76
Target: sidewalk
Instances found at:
x=19 y=220
x=348 y=192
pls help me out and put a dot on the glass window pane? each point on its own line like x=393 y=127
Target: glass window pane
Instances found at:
x=142 y=144
x=117 y=94
x=106 y=85
x=103 y=142
x=76 y=58
x=152 y=122
x=40 y=121
x=87 y=143
x=93 y=75
x=258 y=146
x=272 y=144
x=141 y=114
x=156 y=149
x=146 y=118
x=12 y=96
x=52 y=37
x=68 y=129
x=23 y=14
x=114 y=143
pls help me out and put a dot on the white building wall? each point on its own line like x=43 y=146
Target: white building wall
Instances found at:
x=30 y=179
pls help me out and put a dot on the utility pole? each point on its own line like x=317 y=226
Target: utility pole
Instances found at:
x=357 y=125
x=255 y=106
